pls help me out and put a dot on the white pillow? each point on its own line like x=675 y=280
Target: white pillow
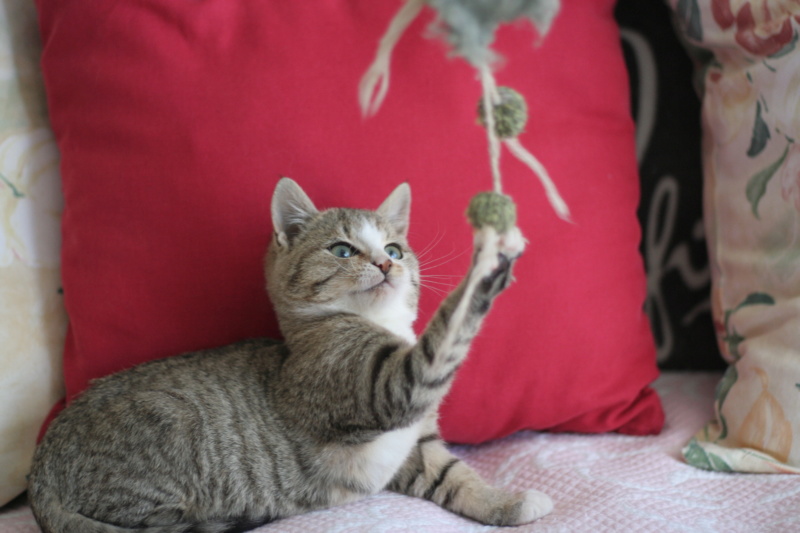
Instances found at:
x=32 y=317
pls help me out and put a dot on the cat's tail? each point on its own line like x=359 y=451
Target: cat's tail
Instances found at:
x=62 y=521
x=52 y=517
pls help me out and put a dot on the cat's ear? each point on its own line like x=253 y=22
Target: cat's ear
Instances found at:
x=397 y=208
x=291 y=209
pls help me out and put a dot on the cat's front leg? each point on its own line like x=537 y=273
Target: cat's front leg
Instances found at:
x=433 y=473
x=409 y=382
x=446 y=341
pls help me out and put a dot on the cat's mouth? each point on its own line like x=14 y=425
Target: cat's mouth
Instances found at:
x=382 y=285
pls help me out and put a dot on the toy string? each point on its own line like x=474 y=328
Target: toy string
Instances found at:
x=491 y=98
x=374 y=86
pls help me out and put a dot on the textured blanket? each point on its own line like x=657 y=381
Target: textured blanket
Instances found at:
x=599 y=483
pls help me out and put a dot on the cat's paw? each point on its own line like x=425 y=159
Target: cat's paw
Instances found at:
x=495 y=254
x=498 y=279
x=535 y=505
x=511 y=243
x=490 y=246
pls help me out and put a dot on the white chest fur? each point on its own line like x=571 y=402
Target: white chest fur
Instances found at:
x=396 y=317
x=371 y=465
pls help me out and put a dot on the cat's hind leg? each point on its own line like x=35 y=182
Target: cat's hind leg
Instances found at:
x=433 y=473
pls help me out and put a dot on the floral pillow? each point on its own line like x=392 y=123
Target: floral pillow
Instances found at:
x=32 y=319
x=751 y=120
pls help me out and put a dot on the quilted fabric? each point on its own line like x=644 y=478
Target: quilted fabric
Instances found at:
x=175 y=119
x=599 y=483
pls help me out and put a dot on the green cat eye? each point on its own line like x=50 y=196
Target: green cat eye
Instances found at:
x=343 y=250
x=394 y=251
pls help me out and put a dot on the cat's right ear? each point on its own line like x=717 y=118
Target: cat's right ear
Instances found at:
x=291 y=209
x=397 y=208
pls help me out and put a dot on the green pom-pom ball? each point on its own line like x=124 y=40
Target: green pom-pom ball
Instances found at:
x=492 y=209
x=510 y=115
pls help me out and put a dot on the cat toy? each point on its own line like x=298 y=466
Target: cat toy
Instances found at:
x=469 y=26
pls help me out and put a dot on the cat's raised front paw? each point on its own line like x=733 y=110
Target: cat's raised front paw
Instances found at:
x=490 y=246
x=511 y=243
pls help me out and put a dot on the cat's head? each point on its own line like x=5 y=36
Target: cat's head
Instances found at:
x=342 y=260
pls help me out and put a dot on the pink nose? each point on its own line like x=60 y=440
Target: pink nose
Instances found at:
x=385 y=266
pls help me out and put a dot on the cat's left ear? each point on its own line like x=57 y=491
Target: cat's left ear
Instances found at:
x=397 y=208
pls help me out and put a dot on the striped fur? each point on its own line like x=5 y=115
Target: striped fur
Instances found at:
x=227 y=439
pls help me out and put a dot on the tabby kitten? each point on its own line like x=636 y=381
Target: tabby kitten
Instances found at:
x=230 y=438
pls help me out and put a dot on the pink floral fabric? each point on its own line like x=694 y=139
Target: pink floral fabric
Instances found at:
x=751 y=158
x=762 y=27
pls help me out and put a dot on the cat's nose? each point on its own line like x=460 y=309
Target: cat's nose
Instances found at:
x=384 y=266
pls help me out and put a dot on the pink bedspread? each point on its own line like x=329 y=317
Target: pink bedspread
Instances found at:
x=599 y=483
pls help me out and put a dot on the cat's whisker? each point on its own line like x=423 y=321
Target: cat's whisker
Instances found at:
x=427 y=261
x=446 y=282
x=431 y=246
x=437 y=290
x=436 y=263
x=448 y=286
x=428 y=283
x=439 y=277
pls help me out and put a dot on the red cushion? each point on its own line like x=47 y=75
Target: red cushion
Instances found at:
x=175 y=120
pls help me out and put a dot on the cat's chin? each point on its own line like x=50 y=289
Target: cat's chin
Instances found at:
x=387 y=304
x=381 y=286
x=382 y=290
x=391 y=291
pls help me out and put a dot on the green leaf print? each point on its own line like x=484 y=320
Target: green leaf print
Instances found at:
x=11 y=186
x=723 y=388
x=696 y=456
x=760 y=134
x=757 y=186
x=732 y=337
x=718 y=464
x=756 y=298
x=733 y=340
x=786 y=50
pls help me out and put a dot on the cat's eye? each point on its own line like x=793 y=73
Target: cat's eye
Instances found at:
x=343 y=250
x=394 y=251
